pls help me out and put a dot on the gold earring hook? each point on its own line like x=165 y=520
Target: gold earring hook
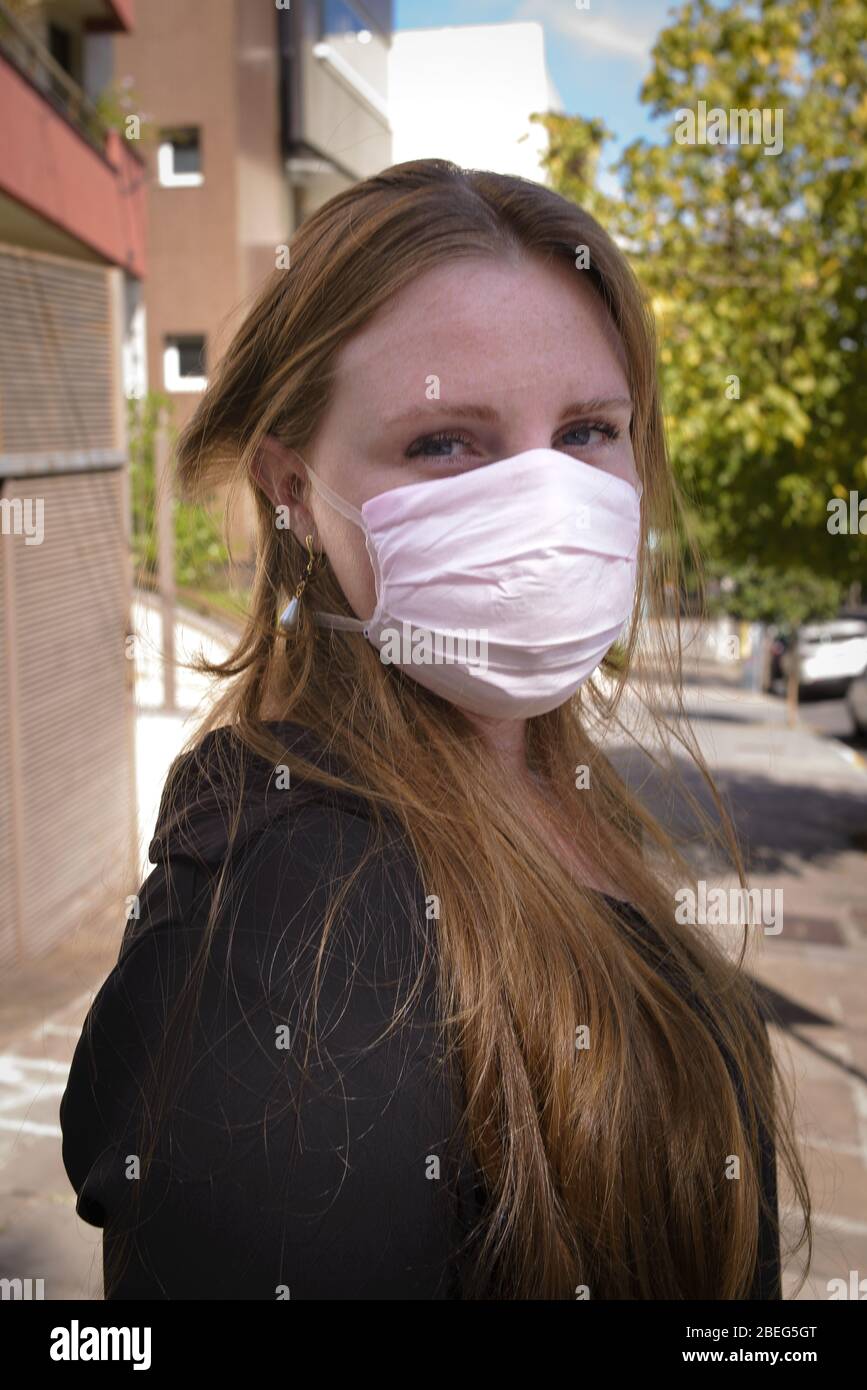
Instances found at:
x=311 y=563
x=290 y=616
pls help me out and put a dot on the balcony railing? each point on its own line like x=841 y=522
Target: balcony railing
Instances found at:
x=33 y=61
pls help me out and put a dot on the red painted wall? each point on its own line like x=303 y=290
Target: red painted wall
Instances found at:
x=51 y=169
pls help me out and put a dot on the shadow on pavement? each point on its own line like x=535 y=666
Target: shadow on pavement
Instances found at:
x=788 y=1014
x=780 y=825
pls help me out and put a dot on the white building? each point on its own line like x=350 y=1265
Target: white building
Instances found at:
x=466 y=93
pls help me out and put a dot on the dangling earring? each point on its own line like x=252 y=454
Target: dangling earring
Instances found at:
x=289 y=616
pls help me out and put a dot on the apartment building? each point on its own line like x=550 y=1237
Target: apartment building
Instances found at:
x=71 y=266
x=258 y=113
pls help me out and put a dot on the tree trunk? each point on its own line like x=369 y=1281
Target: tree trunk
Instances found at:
x=793 y=682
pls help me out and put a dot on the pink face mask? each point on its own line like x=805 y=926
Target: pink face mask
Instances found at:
x=500 y=588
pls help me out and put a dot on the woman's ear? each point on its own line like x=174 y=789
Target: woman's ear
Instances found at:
x=277 y=472
x=280 y=473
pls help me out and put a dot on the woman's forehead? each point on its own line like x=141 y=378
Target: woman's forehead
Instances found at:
x=487 y=324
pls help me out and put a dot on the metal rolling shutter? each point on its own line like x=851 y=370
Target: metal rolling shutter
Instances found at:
x=55 y=356
x=75 y=787
x=8 y=875
x=66 y=783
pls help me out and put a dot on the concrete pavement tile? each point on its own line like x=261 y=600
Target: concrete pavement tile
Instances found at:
x=838 y=1184
x=835 y=1255
x=827 y=1113
x=822 y=1054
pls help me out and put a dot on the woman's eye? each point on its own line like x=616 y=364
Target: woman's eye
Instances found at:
x=440 y=443
x=583 y=436
x=585 y=432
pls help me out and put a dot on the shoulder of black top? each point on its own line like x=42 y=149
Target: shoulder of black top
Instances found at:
x=220 y=793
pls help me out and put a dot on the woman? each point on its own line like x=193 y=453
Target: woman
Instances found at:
x=405 y=1010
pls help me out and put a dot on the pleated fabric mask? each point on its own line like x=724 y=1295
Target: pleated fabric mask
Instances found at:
x=500 y=588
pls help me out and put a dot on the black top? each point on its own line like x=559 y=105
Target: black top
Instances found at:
x=276 y=1180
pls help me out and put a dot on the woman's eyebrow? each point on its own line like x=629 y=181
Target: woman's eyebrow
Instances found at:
x=597 y=403
x=487 y=413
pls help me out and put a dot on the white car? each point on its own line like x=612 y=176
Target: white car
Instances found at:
x=833 y=652
x=856 y=699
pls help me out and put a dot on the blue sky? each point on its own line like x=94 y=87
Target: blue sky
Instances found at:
x=598 y=57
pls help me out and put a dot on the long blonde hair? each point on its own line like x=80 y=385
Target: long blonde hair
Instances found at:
x=603 y=1167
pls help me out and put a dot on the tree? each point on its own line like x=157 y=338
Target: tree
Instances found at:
x=755 y=263
x=200 y=555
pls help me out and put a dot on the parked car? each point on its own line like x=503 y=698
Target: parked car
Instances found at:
x=830 y=653
x=856 y=700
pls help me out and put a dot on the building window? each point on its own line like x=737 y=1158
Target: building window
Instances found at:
x=180 y=158
x=184 y=363
x=65 y=49
x=60 y=47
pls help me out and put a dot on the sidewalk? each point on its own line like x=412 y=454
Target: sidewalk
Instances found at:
x=800 y=805
x=801 y=808
x=799 y=801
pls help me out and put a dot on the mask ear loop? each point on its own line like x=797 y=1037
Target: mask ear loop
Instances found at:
x=334 y=620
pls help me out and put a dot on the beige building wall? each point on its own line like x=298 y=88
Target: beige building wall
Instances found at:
x=181 y=59
x=216 y=65
x=189 y=66
x=263 y=197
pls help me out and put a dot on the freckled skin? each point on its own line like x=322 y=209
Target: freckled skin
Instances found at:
x=521 y=337
x=524 y=338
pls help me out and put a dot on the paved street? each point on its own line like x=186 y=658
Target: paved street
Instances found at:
x=800 y=802
x=830 y=715
x=800 y=805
